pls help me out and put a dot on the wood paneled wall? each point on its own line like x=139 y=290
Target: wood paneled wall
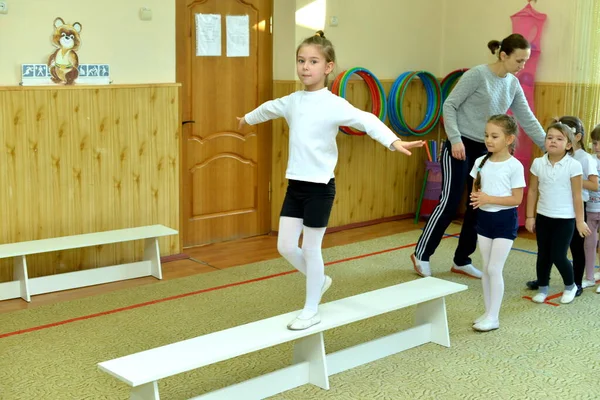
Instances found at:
x=558 y=99
x=87 y=159
x=373 y=182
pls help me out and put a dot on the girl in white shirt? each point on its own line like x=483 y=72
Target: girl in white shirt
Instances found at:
x=589 y=182
x=497 y=191
x=314 y=116
x=557 y=177
x=593 y=220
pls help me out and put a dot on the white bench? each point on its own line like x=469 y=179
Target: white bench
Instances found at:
x=310 y=363
x=24 y=287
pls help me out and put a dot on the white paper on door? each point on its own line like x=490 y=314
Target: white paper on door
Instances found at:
x=208 y=34
x=238 y=35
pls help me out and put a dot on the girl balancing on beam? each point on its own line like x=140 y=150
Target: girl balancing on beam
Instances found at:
x=314 y=116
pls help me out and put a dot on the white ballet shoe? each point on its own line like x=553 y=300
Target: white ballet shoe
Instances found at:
x=299 y=324
x=486 y=325
x=468 y=270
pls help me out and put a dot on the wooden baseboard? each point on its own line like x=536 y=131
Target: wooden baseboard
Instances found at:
x=174 y=257
x=369 y=223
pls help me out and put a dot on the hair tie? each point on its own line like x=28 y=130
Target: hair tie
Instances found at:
x=569 y=127
x=478 y=169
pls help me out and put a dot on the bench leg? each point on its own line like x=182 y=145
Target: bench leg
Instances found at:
x=312 y=349
x=20 y=272
x=152 y=254
x=434 y=312
x=148 y=391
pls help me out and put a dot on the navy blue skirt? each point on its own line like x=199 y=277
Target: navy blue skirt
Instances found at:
x=501 y=224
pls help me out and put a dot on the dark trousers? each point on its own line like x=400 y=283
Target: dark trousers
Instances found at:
x=455 y=175
x=578 y=253
x=553 y=237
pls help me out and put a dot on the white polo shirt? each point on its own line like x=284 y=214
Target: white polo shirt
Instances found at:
x=499 y=179
x=555 y=194
x=588 y=166
x=593 y=204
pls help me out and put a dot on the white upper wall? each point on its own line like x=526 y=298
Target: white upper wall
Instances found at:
x=284 y=39
x=384 y=36
x=393 y=36
x=388 y=37
x=470 y=24
x=112 y=33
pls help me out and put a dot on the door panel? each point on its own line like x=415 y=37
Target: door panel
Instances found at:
x=226 y=172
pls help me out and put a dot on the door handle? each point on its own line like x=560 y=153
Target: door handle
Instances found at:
x=188 y=122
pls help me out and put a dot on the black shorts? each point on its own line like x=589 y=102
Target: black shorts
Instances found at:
x=501 y=224
x=312 y=202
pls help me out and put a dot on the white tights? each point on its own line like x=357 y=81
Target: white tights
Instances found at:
x=308 y=260
x=494 y=253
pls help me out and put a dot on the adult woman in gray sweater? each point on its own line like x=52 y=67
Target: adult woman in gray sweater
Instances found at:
x=484 y=90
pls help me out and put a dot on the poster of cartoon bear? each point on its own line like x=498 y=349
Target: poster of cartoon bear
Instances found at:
x=63 y=64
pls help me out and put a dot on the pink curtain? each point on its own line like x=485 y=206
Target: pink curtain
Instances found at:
x=529 y=23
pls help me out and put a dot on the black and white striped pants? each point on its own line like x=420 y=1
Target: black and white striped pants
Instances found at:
x=455 y=175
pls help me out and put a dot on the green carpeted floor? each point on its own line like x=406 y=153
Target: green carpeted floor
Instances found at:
x=540 y=351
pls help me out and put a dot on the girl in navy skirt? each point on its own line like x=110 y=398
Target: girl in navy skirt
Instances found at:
x=497 y=191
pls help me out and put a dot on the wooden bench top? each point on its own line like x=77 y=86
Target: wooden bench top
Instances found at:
x=83 y=240
x=161 y=362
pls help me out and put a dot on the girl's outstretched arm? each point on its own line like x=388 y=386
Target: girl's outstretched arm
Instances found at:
x=241 y=123
x=345 y=114
x=403 y=146
x=267 y=111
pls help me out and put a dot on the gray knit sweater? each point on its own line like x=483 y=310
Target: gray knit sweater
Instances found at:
x=479 y=94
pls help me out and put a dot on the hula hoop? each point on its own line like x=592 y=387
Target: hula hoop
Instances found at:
x=396 y=103
x=378 y=106
x=450 y=81
x=448 y=84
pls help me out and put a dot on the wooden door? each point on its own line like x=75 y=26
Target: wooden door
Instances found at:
x=225 y=172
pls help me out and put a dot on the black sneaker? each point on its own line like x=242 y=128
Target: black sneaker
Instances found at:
x=579 y=291
x=533 y=285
